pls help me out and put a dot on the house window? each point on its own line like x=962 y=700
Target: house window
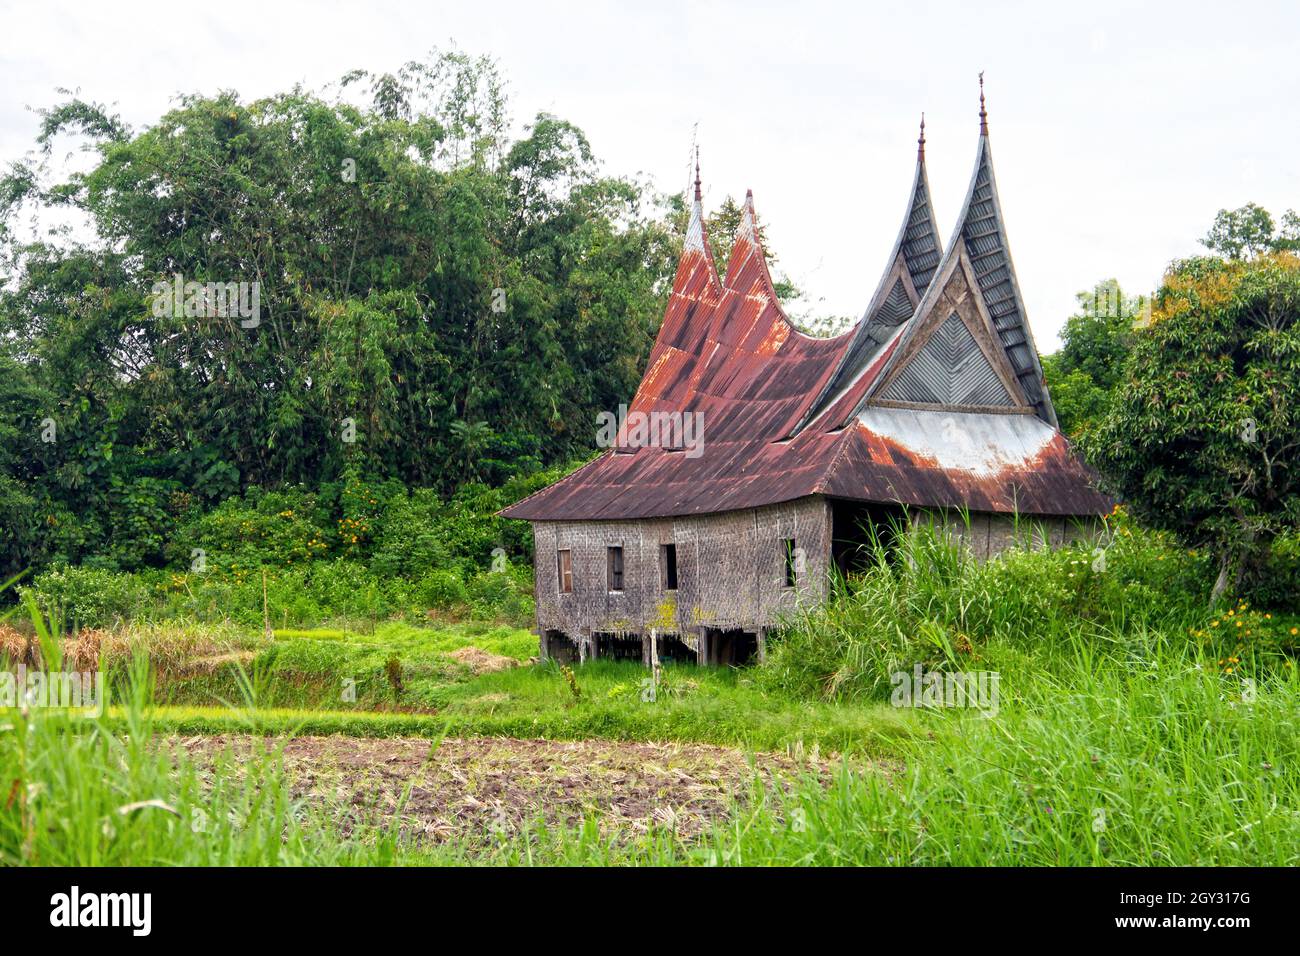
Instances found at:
x=668 y=566
x=615 y=565
x=791 y=562
x=564 y=565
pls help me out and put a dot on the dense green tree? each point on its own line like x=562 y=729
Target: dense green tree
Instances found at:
x=1203 y=437
x=436 y=301
x=22 y=421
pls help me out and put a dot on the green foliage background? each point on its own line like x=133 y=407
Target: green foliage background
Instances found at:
x=462 y=300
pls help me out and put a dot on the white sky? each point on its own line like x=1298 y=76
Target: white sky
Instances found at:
x=1118 y=130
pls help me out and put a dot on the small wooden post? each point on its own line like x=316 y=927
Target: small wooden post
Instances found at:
x=654 y=660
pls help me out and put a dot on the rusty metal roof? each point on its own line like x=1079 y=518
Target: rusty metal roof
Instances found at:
x=783 y=413
x=977 y=460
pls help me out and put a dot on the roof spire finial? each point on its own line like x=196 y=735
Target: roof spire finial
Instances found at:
x=984 y=116
x=748 y=228
x=695 y=231
x=920 y=143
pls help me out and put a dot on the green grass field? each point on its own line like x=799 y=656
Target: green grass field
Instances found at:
x=1128 y=731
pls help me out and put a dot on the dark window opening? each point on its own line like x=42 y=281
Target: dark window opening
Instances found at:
x=862 y=534
x=730 y=648
x=615 y=567
x=791 y=562
x=668 y=554
x=619 y=647
x=564 y=566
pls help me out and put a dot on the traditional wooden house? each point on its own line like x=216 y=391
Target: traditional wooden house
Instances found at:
x=931 y=409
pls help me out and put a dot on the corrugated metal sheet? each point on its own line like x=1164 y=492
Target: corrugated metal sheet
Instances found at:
x=876 y=466
x=986 y=462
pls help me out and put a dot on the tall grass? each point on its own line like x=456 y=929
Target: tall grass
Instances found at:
x=1114 y=769
x=1026 y=613
x=100 y=791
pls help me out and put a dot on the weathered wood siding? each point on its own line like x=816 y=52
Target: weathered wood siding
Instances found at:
x=730 y=570
x=988 y=535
